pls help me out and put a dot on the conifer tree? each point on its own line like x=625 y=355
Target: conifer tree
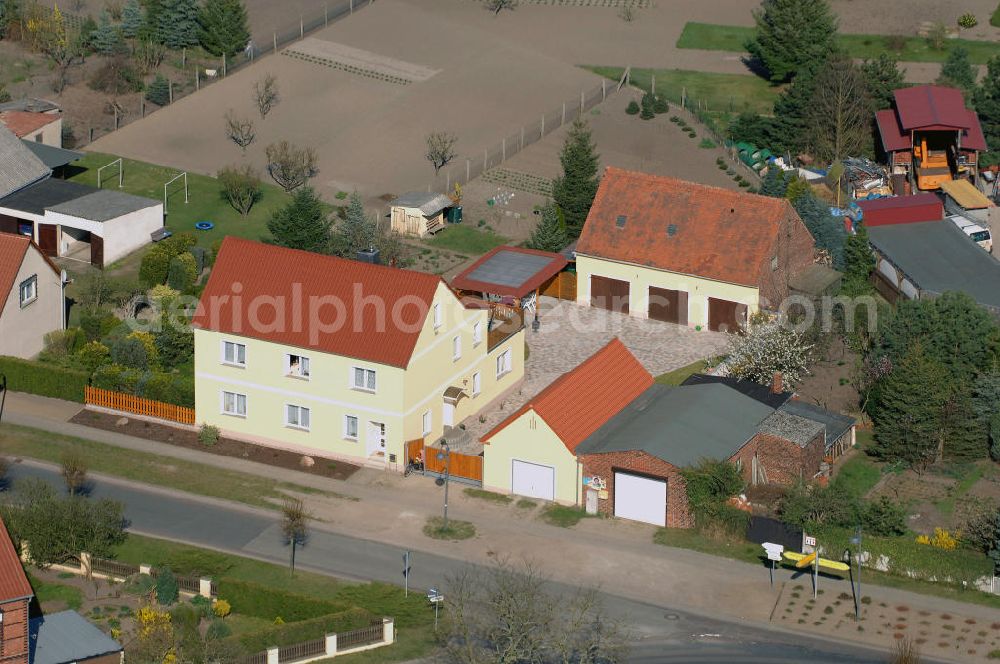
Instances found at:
x=883 y=77
x=177 y=23
x=301 y=224
x=107 y=38
x=550 y=234
x=958 y=71
x=986 y=100
x=574 y=191
x=774 y=183
x=356 y=232
x=133 y=18
x=223 y=27
x=792 y=34
x=859 y=263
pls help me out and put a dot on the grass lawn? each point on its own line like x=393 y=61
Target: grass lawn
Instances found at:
x=491 y=496
x=56 y=592
x=466 y=240
x=678 y=376
x=148 y=468
x=858 y=475
x=724 y=93
x=205 y=200
x=456 y=530
x=563 y=516
x=713 y=37
x=413 y=617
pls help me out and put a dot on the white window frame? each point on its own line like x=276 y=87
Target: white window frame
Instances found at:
x=477 y=333
x=347 y=428
x=31 y=283
x=456 y=347
x=427 y=422
x=236 y=403
x=477 y=384
x=438 y=317
x=236 y=355
x=504 y=363
x=303 y=359
x=299 y=410
x=370 y=376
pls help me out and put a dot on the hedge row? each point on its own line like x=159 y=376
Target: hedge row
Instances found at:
x=305 y=630
x=44 y=379
x=252 y=599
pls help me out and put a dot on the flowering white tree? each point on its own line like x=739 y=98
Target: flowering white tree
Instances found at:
x=767 y=346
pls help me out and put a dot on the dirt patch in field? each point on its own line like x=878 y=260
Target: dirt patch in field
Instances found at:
x=830 y=381
x=337 y=470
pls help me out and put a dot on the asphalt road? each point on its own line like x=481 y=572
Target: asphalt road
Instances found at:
x=660 y=634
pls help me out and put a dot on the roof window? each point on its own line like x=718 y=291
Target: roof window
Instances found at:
x=620 y=221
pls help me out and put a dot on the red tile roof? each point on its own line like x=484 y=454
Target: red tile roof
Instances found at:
x=368 y=312
x=13 y=581
x=12 y=251
x=972 y=138
x=464 y=280
x=717 y=233
x=894 y=138
x=23 y=123
x=931 y=107
x=579 y=402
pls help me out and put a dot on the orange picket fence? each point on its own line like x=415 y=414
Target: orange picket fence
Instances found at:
x=95 y=396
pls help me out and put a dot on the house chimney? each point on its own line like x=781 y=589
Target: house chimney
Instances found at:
x=777 y=383
x=369 y=256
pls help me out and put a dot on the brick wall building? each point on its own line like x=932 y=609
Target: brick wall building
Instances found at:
x=779 y=461
x=641 y=463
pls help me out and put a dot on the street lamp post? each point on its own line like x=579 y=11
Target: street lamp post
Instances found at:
x=856 y=541
x=445 y=454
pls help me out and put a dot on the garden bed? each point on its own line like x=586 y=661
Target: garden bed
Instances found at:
x=337 y=470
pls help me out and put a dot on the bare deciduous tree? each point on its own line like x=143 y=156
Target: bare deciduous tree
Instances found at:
x=294 y=525
x=240 y=130
x=497 y=6
x=840 y=113
x=289 y=166
x=440 y=148
x=240 y=187
x=265 y=94
x=74 y=471
x=510 y=614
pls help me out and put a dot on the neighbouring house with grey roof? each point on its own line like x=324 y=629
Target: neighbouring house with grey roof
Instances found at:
x=67 y=219
x=68 y=638
x=928 y=258
x=419 y=213
x=632 y=465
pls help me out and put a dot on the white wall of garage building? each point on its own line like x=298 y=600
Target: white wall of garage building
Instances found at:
x=641 y=278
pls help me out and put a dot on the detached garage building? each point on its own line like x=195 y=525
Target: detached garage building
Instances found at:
x=533 y=452
x=661 y=248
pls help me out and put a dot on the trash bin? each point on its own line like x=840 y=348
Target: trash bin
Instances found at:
x=455 y=214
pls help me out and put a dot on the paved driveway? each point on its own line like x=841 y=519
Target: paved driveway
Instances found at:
x=570 y=333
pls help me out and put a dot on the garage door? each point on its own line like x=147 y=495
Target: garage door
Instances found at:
x=533 y=480
x=610 y=294
x=726 y=316
x=670 y=306
x=641 y=498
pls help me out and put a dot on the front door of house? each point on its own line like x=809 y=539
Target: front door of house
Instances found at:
x=376 y=438
x=448 y=415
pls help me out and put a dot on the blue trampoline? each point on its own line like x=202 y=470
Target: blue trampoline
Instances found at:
x=204 y=225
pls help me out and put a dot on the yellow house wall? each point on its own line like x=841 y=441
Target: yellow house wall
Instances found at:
x=529 y=438
x=327 y=394
x=641 y=278
x=433 y=367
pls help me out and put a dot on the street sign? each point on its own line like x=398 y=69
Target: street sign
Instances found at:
x=810 y=541
x=773 y=551
x=802 y=560
x=434 y=596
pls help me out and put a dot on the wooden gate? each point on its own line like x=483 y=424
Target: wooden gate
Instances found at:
x=48 y=240
x=561 y=286
x=725 y=315
x=669 y=306
x=462 y=465
x=96 y=250
x=610 y=294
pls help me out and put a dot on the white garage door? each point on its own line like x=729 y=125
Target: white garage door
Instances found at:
x=641 y=499
x=533 y=480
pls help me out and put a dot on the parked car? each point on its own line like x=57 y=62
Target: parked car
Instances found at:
x=977 y=233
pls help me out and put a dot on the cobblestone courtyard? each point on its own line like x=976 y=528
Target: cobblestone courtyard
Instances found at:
x=570 y=333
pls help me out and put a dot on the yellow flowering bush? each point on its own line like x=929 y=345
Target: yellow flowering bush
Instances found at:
x=221 y=608
x=942 y=539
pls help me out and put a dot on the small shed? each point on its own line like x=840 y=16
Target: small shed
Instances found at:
x=419 y=213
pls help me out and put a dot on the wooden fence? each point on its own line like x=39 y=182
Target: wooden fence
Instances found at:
x=96 y=396
x=562 y=286
x=462 y=465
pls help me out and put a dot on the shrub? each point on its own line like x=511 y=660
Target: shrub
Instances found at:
x=43 y=379
x=166 y=587
x=647 y=112
x=158 y=91
x=217 y=629
x=632 y=108
x=154 y=265
x=161 y=295
x=995 y=18
x=660 y=104
x=707 y=144
x=267 y=603
x=203 y=605
x=130 y=352
x=92 y=355
x=221 y=608
x=968 y=20
x=200 y=257
x=182 y=272
x=208 y=435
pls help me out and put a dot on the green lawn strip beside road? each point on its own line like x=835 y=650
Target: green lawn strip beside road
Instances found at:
x=148 y=468
x=466 y=240
x=412 y=615
x=729 y=93
x=205 y=202
x=748 y=552
x=714 y=37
